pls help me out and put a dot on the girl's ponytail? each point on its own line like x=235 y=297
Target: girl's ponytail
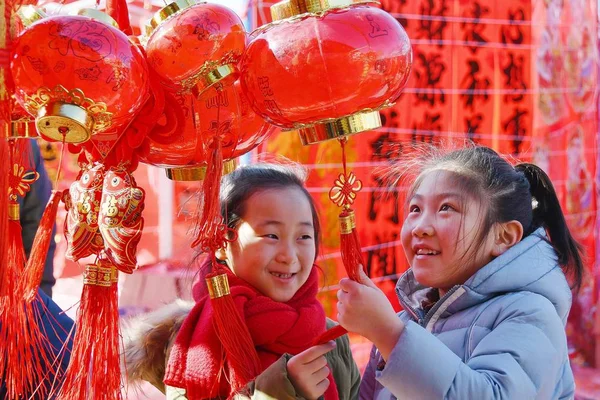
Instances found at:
x=548 y=213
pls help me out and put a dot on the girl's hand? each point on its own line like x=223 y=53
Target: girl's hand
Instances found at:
x=308 y=371
x=364 y=309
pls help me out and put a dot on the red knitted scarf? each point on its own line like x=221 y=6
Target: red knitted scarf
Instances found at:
x=276 y=328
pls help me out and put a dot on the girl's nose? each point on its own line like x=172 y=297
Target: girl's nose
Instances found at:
x=422 y=228
x=286 y=254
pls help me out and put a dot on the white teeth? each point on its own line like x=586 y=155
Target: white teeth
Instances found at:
x=283 y=276
x=427 y=252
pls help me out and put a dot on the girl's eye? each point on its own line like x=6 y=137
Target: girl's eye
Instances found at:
x=413 y=208
x=306 y=237
x=271 y=236
x=446 y=207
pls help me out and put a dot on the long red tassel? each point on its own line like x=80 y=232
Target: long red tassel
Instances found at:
x=23 y=348
x=343 y=194
x=211 y=226
x=94 y=369
x=211 y=221
x=241 y=357
x=35 y=265
x=350 y=245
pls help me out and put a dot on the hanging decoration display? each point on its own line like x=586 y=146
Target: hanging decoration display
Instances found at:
x=326 y=71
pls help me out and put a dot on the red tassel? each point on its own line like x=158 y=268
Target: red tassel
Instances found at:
x=211 y=222
x=118 y=10
x=4 y=223
x=16 y=254
x=352 y=259
x=350 y=245
x=23 y=348
x=39 y=249
x=241 y=356
x=94 y=369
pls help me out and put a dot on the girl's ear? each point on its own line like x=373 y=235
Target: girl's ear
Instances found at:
x=506 y=235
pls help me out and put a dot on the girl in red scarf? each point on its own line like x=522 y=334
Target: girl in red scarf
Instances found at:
x=274 y=284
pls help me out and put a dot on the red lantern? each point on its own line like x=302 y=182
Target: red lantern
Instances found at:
x=195 y=44
x=220 y=112
x=78 y=77
x=326 y=70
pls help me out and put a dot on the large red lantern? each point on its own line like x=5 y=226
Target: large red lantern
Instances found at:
x=78 y=76
x=326 y=71
x=194 y=45
x=222 y=113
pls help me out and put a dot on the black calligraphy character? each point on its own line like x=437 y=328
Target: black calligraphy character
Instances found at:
x=514 y=74
x=429 y=74
x=472 y=126
x=427 y=130
x=432 y=23
x=516 y=128
x=475 y=85
x=382 y=262
x=473 y=28
x=512 y=33
x=385 y=148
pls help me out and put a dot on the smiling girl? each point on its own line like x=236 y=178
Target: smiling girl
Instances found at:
x=274 y=282
x=486 y=298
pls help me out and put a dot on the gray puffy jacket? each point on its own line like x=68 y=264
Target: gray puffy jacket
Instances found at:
x=499 y=336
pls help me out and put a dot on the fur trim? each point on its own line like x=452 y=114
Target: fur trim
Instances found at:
x=147 y=340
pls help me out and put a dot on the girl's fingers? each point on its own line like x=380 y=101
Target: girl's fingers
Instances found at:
x=322 y=386
x=321 y=374
x=316 y=365
x=315 y=352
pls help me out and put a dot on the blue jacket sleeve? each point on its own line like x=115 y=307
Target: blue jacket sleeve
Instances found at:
x=56 y=326
x=368 y=382
x=32 y=208
x=521 y=358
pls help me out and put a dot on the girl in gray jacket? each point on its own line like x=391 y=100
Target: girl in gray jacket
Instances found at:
x=486 y=298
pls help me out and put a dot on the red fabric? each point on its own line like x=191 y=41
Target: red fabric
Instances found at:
x=276 y=328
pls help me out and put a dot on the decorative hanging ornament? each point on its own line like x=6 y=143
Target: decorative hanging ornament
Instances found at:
x=325 y=70
x=195 y=45
x=78 y=75
x=120 y=218
x=184 y=153
x=82 y=202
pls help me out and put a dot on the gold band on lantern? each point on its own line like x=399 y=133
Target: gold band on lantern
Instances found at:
x=99 y=276
x=218 y=74
x=190 y=174
x=21 y=129
x=212 y=72
x=62 y=110
x=342 y=127
x=30 y=14
x=218 y=286
x=63 y=121
x=98 y=16
x=13 y=212
x=292 y=8
x=166 y=12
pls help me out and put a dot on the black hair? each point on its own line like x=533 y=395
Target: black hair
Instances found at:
x=238 y=186
x=523 y=193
